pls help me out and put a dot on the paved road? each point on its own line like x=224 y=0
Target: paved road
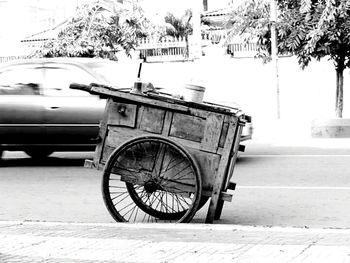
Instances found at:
x=278 y=185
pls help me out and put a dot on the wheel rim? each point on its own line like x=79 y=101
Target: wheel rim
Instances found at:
x=151 y=179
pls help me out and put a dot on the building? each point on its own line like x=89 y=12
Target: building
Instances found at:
x=19 y=19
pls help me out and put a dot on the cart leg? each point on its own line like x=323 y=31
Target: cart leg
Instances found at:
x=212 y=209
x=218 y=210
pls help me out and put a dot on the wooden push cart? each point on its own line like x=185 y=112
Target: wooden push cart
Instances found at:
x=163 y=158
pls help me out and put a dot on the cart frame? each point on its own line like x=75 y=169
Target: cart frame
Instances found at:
x=209 y=132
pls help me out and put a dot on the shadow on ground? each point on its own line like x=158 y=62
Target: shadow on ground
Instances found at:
x=49 y=161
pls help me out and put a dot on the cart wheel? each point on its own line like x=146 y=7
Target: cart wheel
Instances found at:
x=151 y=179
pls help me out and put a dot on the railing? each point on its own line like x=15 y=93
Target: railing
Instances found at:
x=242 y=50
x=164 y=49
x=9 y=58
x=175 y=49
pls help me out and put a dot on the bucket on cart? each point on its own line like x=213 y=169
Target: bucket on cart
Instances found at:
x=194 y=93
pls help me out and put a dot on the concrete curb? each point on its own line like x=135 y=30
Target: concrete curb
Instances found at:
x=189 y=226
x=81 y=242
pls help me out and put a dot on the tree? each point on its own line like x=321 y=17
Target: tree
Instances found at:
x=309 y=29
x=179 y=27
x=100 y=29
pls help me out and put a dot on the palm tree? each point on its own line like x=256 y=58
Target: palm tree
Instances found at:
x=179 y=27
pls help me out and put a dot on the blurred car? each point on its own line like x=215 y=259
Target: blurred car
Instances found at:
x=40 y=114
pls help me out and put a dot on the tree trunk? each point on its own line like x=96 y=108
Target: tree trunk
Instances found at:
x=205 y=5
x=339 y=92
x=187 y=54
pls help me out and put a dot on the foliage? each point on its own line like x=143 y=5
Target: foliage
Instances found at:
x=98 y=30
x=306 y=28
x=251 y=22
x=178 y=26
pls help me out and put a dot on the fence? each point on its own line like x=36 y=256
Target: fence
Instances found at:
x=167 y=48
x=7 y=59
x=242 y=50
x=175 y=49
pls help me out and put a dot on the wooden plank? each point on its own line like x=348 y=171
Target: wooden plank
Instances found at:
x=152 y=119
x=225 y=197
x=223 y=134
x=107 y=151
x=187 y=127
x=116 y=137
x=134 y=98
x=102 y=133
x=212 y=132
x=220 y=176
x=208 y=166
x=232 y=164
x=234 y=155
x=89 y=164
x=162 y=100
x=167 y=123
x=186 y=143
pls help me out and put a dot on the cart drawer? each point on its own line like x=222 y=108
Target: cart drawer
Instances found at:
x=122 y=114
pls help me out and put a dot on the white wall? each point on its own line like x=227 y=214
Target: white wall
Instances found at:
x=304 y=94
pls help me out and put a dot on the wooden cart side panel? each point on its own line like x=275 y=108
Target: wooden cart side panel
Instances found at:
x=212 y=132
x=102 y=134
x=206 y=131
x=208 y=166
x=116 y=137
x=187 y=127
x=234 y=155
x=221 y=175
x=146 y=119
x=231 y=167
x=208 y=162
x=151 y=119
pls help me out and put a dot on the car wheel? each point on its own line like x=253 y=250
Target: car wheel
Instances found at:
x=39 y=153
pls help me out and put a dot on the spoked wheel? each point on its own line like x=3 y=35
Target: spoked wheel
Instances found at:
x=151 y=179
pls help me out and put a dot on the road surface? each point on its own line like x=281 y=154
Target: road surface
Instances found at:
x=277 y=185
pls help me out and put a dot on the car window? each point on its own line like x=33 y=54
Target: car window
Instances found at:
x=58 y=78
x=21 y=80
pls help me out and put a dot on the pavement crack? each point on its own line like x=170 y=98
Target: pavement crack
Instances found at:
x=313 y=243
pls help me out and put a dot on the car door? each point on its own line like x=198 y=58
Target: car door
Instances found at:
x=71 y=116
x=21 y=109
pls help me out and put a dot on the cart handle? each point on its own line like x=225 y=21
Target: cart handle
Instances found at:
x=80 y=87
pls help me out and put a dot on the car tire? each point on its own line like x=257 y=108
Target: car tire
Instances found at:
x=39 y=153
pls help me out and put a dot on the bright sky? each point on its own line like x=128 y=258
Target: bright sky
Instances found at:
x=156 y=9
x=163 y=6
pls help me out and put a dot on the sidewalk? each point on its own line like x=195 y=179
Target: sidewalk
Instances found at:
x=75 y=242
